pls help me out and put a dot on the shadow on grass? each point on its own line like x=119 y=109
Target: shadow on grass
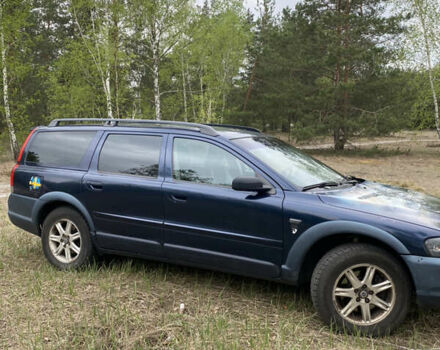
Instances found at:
x=176 y=273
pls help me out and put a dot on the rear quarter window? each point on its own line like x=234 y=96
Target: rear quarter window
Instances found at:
x=59 y=148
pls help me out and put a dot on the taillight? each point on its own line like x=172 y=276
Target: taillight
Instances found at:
x=24 y=145
x=12 y=177
x=20 y=155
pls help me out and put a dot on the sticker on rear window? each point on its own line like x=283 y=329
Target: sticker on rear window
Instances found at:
x=35 y=183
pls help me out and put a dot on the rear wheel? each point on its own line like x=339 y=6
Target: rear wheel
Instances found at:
x=361 y=288
x=66 y=239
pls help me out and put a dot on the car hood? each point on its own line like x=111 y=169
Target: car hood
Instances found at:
x=387 y=201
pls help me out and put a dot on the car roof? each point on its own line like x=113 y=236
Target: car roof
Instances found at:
x=226 y=131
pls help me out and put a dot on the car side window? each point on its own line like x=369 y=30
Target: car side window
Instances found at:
x=59 y=148
x=202 y=162
x=131 y=155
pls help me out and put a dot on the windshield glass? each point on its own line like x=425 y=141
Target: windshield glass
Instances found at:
x=295 y=166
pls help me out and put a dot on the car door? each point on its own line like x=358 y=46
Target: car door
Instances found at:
x=209 y=224
x=122 y=191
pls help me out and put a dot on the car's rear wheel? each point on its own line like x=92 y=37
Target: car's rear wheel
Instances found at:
x=66 y=239
x=361 y=288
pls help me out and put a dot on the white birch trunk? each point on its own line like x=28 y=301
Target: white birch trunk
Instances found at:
x=11 y=130
x=422 y=15
x=184 y=91
x=107 y=89
x=202 y=98
x=434 y=96
x=97 y=59
x=190 y=92
x=156 y=79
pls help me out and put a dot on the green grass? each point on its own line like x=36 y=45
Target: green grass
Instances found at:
x=134 y=304
x=122 y=303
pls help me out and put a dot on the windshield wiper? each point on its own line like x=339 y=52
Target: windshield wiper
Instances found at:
x=347 y=180
x=321 y=185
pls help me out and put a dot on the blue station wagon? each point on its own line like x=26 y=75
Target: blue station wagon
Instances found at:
x=232 y=199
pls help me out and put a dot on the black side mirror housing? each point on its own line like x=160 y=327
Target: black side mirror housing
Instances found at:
x=250 y=184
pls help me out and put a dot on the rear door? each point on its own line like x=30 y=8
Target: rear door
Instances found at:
x=122 y=191
x=209 y=224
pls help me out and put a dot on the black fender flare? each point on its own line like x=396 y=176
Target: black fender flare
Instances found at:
x=61 y=197
x=290 y=270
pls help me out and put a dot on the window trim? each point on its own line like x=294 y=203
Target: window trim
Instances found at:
x=101 y=146
x=85 y=159
x=234 y=153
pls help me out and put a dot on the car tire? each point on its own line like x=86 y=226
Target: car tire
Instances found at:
x=65 y=238
x=361 y=289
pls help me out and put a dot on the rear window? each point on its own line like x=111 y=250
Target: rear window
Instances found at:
x=59 y=148
x=131 y=155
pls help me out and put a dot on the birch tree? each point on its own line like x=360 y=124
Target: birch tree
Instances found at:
x=159 y=27
x=96 y=38
x=7 y=109
x=215 y=54
x=425 y=37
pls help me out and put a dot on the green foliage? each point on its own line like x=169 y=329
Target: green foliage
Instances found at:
x=324 y=68
x=422 y=109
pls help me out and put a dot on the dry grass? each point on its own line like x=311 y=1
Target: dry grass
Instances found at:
x=134 y=304
x=413 y=164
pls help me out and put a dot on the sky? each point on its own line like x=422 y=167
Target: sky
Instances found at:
x=279 y=4
x=252 y=4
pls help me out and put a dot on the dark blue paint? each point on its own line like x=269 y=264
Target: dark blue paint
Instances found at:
x=219 y=228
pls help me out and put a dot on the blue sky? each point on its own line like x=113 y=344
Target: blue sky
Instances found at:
x=279 y=4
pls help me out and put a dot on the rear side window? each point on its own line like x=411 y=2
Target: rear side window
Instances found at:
x=59 y=148
x=131 y=155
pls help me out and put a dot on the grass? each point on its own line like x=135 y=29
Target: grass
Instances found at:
x=123 y=303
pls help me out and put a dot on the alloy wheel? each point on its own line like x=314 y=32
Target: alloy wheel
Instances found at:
x=65 y=241
x=364 y=294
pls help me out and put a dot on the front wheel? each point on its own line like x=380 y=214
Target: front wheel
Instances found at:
x=361 y=288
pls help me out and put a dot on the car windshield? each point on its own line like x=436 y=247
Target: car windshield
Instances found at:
x=295 y=166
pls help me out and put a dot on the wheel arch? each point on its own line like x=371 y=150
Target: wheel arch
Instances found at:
x=319 y=239
x=53 y=200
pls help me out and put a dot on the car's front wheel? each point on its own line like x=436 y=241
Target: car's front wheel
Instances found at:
x=66 y=239
x=361 y=288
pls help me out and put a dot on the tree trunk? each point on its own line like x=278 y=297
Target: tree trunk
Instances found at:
x=107 y=89
x=184 y=91
x=429 y=64
x=190 y=92
x=339 y=139
x=105 y=75
x=202 y=98
x=11 y=130
x=251 y=82
x=156 y=83
x=115 y=38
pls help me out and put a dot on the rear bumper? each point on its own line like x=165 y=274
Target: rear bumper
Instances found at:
x=425 y=272
x=20 y=212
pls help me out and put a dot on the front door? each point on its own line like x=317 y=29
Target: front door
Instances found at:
x=209 y=224
x=122 y=191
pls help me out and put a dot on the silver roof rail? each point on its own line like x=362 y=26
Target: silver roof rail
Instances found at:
x=202 y=128
x=238 y=127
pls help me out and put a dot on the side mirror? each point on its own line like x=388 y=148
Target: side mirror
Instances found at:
x=250 y=184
